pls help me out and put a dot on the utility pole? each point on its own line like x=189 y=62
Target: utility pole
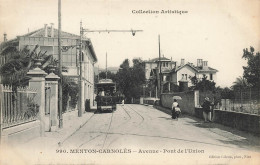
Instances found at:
x=60 y=65
x=160 y=66
x=81 y=82
x=98 y=74
x=106 y=65
x=81 y=88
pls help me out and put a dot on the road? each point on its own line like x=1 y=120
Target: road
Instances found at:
x=138 y=134
x=146 y=132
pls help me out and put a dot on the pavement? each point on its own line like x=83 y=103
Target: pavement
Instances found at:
x=51 y=140
x=72 y=123
x=138 y=126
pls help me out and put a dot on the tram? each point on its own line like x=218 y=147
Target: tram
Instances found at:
x=106 y=95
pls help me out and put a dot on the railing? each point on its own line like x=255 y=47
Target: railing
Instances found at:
x=17 y=105
x=245 y=100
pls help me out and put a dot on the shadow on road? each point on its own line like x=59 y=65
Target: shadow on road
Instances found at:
x=230 y=135
x=166 y=118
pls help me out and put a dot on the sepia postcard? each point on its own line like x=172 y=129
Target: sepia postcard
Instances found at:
x=135 y=82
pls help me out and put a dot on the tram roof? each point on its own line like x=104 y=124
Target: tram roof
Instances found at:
x=105 y=81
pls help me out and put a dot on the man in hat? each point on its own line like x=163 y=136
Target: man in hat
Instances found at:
x=206 y=110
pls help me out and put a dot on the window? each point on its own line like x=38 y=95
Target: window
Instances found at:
x=68 y=57
x=166 y=64
x=211 y=76
x=185 y=76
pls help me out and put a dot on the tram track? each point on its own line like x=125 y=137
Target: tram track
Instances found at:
x=99 y=134
x=164 y=137
x=124 y=108
x=146 y=113
x=61 y=143
x=138 y=114
x=110 y=123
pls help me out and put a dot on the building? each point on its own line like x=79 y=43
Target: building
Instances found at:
x=152 y=65
x=186 y=70
x=152 y=70
x=47 y=39
x=172 y=74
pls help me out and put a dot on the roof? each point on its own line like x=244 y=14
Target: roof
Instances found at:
x=157 y=59
x=91 y=49
x=105 y=81
x=41 y=33
x=197 y=69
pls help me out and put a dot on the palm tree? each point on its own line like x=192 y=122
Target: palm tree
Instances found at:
x=19 y=62
x=240 y=83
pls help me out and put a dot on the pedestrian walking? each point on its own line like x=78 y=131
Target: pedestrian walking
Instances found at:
x=177 y=111
x=206 y=110
x=174 y=105
x=123 y=102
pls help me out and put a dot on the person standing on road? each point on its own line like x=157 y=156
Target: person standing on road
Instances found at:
x=206 y=110
x=174 y=105
x=123 y=102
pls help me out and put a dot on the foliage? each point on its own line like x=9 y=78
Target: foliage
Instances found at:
x=19 y=62
x=240 y=83
x=130 y=80
x=32 y=110
x=227 y=93
x=110 y=75
x=203 y=84
x=252 y=70
x=69 y=88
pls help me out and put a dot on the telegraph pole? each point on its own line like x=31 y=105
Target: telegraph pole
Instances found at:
x=106 y=65
x=160 y=66
x=81 y=88
x=81 y=82
x=60 y=65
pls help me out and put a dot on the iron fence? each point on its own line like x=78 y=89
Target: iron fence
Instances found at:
x=246 y=100
x=17 y=105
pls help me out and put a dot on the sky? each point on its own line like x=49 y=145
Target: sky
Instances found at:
x=216 y=31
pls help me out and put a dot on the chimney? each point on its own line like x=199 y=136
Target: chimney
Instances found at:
x=5 y=38
x=199 y=62
x=52 y=30
x=204 y=64
x=182 y=61
x=45 y=30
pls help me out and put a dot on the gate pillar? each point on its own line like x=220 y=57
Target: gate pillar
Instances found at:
x=52 y=82
x=37 y=82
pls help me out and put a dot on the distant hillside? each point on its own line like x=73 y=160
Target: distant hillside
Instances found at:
x=111 y=69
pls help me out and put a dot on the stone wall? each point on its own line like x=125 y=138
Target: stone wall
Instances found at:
x=21 y=133
x=187 y=103
x=149 y=100
x=241 y=121
x=199 y=112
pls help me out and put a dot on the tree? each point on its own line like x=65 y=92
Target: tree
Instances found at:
x=204 y=84
x=252 y=70
x=240 y=83
x=130 y=80
x=226 y=93
x=110 y=75
x=19 y=62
